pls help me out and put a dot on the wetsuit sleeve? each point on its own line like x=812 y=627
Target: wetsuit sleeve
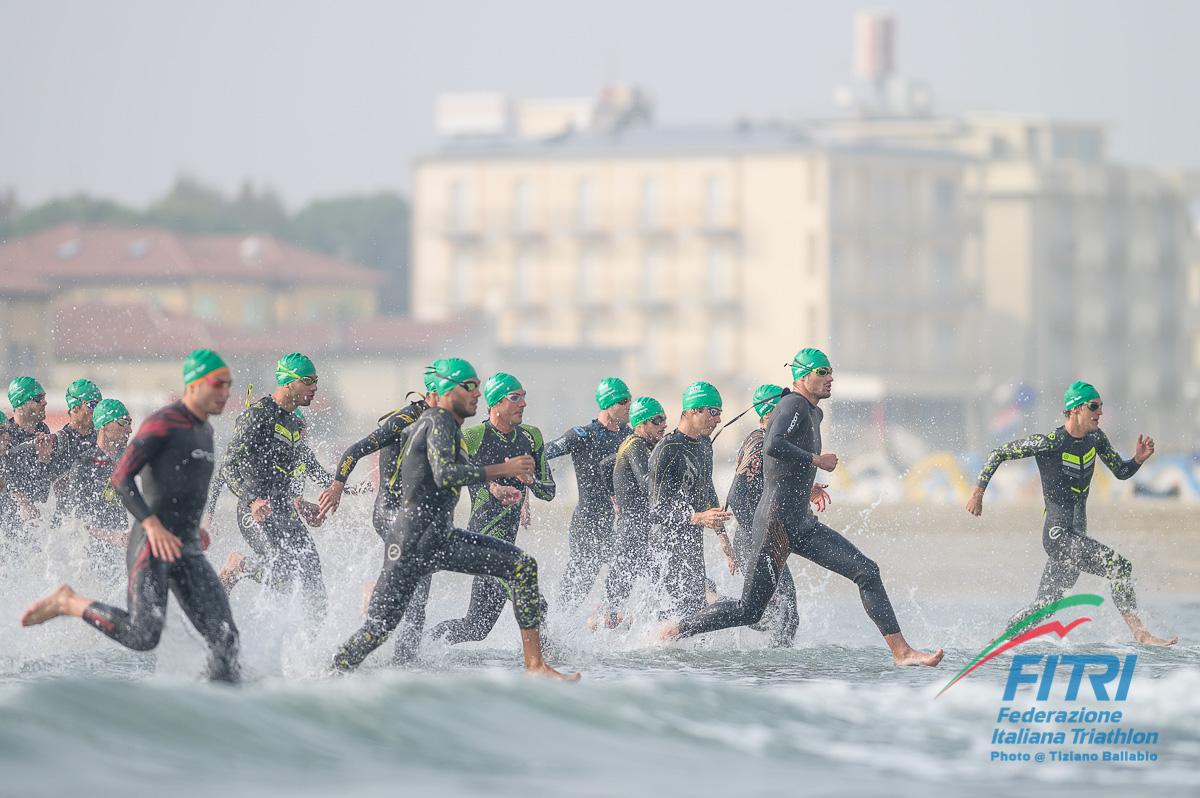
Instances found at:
x=312 y=466
x=779 y=443
x=566 y=443
x=750 y=458
x=243 y=453
x=473 y=440
x=1121 y=469
x=65 y=453
x=151 y=438
x=639 y=466
x=214 y=494
x=543 y=480
x=1014 y=450
x=387 y=433
x=668 y=505
x=447 y=471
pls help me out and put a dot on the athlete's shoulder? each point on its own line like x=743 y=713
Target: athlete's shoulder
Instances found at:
x=533 y=433
x=473 y=437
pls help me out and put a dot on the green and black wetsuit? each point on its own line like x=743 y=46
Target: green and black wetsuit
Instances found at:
x=433 y=470
x=1066 y=465
x=263 y=461
x=681 y=484
x=784 y=523
x=631 y=483
x=782 y=617
x=97 y=504
x=487 y=445
x=22 y=473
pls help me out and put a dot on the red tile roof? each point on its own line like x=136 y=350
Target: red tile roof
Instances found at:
x=73 y=253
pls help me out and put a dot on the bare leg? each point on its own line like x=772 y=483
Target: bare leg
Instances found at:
x=368 y=590
x=531 y=645
x=63 y=601
x=232 y=571
x=907 y=655
x=1141 y=635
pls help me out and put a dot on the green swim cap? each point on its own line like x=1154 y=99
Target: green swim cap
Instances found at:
x=292 y=367
x=644 y=408
x=82 y=391
x=1078 y=393
x=201 y=363
x=610 y=391
x=766 y=397
x=808 y=359
x=22 y=389
x=701 y=394
x=430 y=380
x=449 y=372
x=108 y=410
x=498 y=386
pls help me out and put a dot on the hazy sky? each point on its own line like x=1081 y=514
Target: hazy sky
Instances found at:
x=314 y=99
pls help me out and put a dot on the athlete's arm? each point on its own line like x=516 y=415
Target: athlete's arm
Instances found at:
x=312 y=466
x=448 y=472
x=387 y=433
x=639 y=466
x=150 y=439
x=543 y=479
x=1123 y=469
x=1015 y=450
x=778 y=441
x=668 y=506
x=565 y=443
x=243 y=452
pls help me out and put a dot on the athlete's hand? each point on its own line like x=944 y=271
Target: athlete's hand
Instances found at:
x=43 y=446
x=205 y=539
x=525 y=519
x=820 y=497
x=1145 y=448
x=163 y=544
x=361 y=488
x=975 y=503
x=29 y=511
x=260 y=510
x=311 y=513
x=825 y=462
x=520 y=467
x=713 y=518
x=505 y=494
x=331 y=498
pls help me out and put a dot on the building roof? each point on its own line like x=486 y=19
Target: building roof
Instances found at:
x=74 y=253
x=98 y=330
x=658 y=142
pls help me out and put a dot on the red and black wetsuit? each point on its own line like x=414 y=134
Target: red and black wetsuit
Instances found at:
x=173 y=452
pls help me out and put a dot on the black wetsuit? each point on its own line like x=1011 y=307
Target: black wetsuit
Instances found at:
x=263 y=461
x=388 y=440
x=22 y=473
x=782 y=617
x=96 y=503
x=433 y=471
x=173 y=452
x=486 y=445
x=593 y=451
x=1066 y=465
x=631 y=483
x=785 y=523
x=681 y=484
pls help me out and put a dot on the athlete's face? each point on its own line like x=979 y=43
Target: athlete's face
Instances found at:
x=431 y=399
x=1089 y=414
x=654 y=428
x=705 y=419
x=81 y=415
x=117 y=432
x=211 y=392
x=463 y=403
x=35 y=408
x=766 y=419
x=303 y=390
x=619 y=412
x=511 y=409
x=819 y=382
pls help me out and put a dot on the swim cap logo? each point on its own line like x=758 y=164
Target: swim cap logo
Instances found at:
x=393 y=551
x=1020 y=632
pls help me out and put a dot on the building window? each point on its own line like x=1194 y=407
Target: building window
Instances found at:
x=723 y=349
x=522 y=200
x=720 y=277
x=654 y=276
x=716 y=203
x=651 y=203
x=945 y=196
x=462 y=281
x=586 y=216
x=590 y=285
x=525 y=288
x=459 y=207
x=945 y=270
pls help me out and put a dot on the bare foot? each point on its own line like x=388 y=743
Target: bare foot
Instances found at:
x=1148 y=639
x=668 y=632
x=51 y=606
x=546 y=672
x=231 y=571
x=915 y=657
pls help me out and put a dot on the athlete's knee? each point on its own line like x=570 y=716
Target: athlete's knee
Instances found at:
x=146 y=634
x=867 y=573
x=1120 y=568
